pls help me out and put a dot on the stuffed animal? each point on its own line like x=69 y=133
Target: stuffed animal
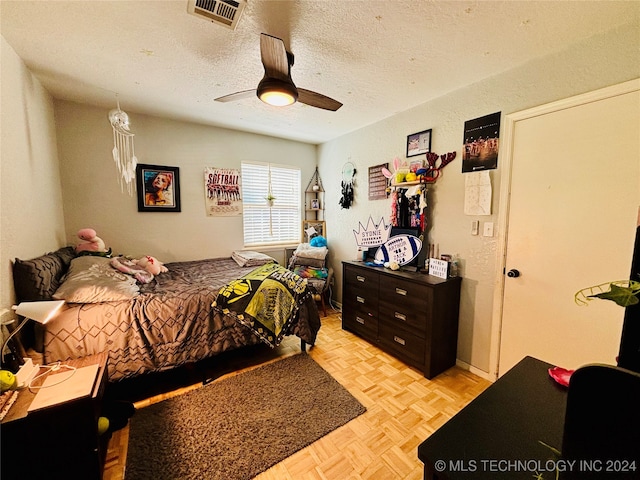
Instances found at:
x=151 y=265
x=92 y=243
x=318 y=241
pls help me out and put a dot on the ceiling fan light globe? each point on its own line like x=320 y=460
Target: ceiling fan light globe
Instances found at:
x=277 y=99
x=277 y=93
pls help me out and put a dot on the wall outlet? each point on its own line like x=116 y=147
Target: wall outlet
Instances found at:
x=488 y=229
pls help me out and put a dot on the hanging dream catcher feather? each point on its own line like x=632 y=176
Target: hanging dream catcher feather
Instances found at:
x=123 y=152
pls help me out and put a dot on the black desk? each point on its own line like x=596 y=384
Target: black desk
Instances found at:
x=498 y=434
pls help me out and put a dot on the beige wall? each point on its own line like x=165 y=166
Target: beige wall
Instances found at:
x=31 y=215
x=92 y=196
x=602 y=61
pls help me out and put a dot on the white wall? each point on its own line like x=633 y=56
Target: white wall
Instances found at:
x=603 y=60
x=92 y=196
x=31 y=216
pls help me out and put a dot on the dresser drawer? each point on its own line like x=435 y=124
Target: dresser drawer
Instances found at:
x=404 y=316
x=361 y=279
x=361 y=323
x=397 y=291
x=404 y=344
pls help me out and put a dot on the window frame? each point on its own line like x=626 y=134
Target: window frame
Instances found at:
x=288 y=215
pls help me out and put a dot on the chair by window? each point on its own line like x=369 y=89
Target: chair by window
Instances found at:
x=311 y=263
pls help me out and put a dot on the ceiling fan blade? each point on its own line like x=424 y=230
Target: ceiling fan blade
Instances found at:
x=274 y=57
x=237 y=96
x=317 y=100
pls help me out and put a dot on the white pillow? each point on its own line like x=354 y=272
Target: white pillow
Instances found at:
x=92 y=279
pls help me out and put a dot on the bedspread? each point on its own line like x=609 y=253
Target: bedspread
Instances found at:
x=171 y=322
x=266 y=300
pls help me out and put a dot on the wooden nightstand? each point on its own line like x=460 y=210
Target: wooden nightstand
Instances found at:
x=59 y=441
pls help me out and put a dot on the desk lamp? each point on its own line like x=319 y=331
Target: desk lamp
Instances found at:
x=41 y=312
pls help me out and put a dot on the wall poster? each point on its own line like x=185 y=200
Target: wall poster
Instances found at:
x=480 y=150
x=222 y=192
x=377 y=182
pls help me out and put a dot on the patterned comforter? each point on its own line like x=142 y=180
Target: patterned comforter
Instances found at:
x=171 y=322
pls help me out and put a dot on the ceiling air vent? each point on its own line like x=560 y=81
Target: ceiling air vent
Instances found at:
x=224 y=12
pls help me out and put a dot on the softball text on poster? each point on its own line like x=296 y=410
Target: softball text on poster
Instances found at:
x=480 y=150
x=222 y=192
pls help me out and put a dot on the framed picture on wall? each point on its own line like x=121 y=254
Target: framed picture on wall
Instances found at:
x=312 y=228
x=158 y=188
x=418 y=143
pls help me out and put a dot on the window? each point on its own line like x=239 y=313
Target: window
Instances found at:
x=266 y=224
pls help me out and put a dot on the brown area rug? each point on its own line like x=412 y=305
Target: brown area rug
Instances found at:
x=240 y=426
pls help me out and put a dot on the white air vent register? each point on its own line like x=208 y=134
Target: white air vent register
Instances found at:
x=224 y=12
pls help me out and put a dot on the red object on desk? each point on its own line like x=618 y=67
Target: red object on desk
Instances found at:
x=561 y=375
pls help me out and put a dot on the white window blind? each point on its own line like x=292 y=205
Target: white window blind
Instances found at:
x=276 y=224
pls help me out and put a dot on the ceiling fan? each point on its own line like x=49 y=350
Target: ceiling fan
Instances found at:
x=276 y=87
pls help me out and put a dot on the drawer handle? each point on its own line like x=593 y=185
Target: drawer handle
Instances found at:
x=401 y=316
x=399 y=340
x=360 y=320
x=360 y=278
x=400 y=291
x=360 y=299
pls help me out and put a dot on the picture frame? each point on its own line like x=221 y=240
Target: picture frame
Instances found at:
x=418 y=143
x=317 y=225
x=315 y=204
x=158 y=188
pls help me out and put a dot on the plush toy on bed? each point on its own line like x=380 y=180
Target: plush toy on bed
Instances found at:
x=143 y=269
x=92 y=245
x=151 y=265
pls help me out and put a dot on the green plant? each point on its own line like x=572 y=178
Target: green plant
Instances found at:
x=622 y=292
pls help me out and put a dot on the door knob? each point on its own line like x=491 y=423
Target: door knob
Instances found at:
x=513 y=273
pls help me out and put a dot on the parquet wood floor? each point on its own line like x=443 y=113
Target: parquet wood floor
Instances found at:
x=403 y=409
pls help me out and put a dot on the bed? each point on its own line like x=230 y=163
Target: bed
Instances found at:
x=151 y=327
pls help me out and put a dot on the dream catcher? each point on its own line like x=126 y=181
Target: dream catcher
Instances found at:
x=348 y=174
x=123 y=153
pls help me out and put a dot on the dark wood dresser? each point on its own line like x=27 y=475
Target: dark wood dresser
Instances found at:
x=412 y=316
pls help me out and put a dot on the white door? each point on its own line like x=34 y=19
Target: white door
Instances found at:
x=575 y=193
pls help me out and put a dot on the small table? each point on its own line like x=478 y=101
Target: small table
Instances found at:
x=58 y=441
x=499 y=434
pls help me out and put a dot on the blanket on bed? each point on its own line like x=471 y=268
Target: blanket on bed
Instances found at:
x=266 y=300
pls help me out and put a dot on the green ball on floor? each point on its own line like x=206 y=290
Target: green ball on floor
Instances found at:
x=103 y=425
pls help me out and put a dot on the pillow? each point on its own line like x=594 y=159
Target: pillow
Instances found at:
x=307 y=251
x=38 y=279
x=92 y=280
x=66 y=254
x=249 y=258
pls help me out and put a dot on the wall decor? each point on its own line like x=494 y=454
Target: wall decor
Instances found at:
x=480 y=150
x=158 y=188
x=378 y=181
x=418 y=143
x=373 y=235
x=348 y=175
x=312 y=228
x=123 y=152
x=223 y=197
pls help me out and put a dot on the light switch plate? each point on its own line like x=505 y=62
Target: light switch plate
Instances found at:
x=475 y=227
x=488 y=229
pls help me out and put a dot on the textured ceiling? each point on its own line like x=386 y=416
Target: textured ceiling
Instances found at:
x=377 y=58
